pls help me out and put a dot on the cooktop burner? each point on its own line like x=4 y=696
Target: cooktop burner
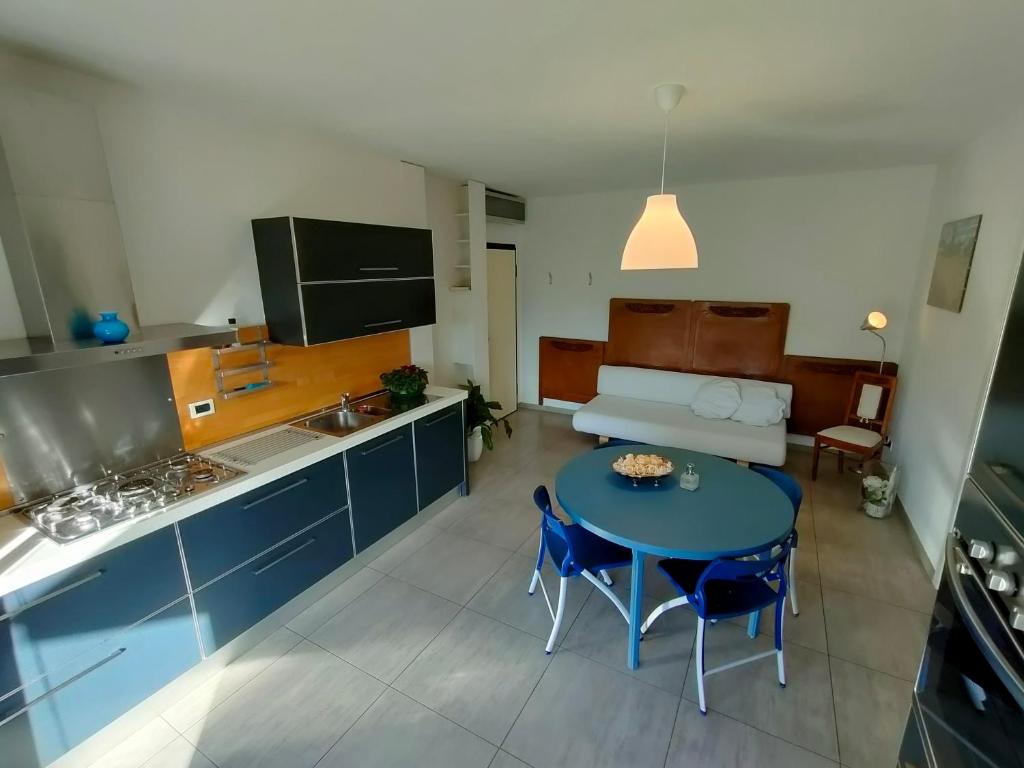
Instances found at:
x=118 y=498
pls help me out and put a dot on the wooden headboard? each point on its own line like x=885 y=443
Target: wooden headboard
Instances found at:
x=737 y=338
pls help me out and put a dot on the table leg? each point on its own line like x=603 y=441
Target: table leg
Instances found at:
x=636 y=607
x=754 y=622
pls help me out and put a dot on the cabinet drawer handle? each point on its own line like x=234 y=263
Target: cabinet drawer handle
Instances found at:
x=378 y=269
x=278 y=492
x=285 y=556
x=383 y=322
x=432 y=422
x=51 y=595
x=385 y=444
x=62 y=686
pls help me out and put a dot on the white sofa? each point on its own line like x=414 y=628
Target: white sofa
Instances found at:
x=654 y=407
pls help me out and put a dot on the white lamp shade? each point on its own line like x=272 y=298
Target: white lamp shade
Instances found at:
x=661 y=238
x=875 y=321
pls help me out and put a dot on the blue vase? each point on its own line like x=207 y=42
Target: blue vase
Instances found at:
x=109 y=329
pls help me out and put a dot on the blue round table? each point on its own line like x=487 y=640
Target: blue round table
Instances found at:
x=734 y=512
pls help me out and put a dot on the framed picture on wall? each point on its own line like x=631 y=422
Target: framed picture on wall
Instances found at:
x=953 y=263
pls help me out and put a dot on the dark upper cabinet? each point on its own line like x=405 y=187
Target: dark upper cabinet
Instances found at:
x=345 y=310
x=440 y=453
x=342 y=250
x=329 y=280
x=382 y=485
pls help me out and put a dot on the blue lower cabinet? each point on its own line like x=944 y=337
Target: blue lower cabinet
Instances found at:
x=57 y=618
x=47 y=718
x=237 y=601
x=440 y=453
x=382 y=485
x=217 y=540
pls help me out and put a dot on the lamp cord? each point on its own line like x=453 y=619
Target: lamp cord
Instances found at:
x=664 y=154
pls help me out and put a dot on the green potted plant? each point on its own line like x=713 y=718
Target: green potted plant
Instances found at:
x=406 y=382
x=480 y=422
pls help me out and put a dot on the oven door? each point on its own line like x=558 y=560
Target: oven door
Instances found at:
x=968 y=707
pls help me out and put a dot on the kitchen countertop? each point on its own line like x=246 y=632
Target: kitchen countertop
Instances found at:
x=27 y=555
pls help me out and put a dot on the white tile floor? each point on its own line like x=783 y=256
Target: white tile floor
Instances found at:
x=432 y=654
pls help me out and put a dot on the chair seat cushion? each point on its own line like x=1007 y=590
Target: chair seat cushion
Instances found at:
x=852 y=435
x=592 y=552
x=725 y=599
x=677 y=426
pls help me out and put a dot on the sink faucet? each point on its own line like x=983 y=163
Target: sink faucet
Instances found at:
x=346 y=401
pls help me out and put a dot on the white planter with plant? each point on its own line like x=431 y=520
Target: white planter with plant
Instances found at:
x=480 y=422
x=475 y=444
x=878 y=490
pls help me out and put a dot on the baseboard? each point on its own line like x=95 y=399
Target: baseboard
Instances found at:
x=919 y=550
x=550 y=408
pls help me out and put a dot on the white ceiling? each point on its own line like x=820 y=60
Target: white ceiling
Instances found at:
x=538 y=97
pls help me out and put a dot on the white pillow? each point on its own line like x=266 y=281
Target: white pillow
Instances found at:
x=761 y=406
x=717 y=399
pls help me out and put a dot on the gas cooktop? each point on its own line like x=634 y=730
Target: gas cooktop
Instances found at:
x=117 y=499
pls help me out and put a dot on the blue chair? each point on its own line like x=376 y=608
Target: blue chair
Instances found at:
x=725 y=588
x=574 y=551
x=792 y=489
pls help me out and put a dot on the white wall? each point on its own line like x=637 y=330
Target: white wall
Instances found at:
x=188 y=178
x=834 y=246
x=949 y=357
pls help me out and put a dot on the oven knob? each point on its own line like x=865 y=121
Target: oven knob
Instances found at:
x=981 y=550
x=1017 y=617
x=1001 y=582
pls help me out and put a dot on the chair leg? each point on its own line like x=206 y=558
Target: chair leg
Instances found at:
x=607 y=593
x=780 y=612
x=540 y=562
x=792 y=582
x=668 y=604
x=839 y=460
x=700 y=666
x=605 y=577
x=559 y=613
x=814 y=459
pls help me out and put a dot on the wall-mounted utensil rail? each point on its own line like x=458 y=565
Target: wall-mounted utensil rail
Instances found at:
x=221 y=373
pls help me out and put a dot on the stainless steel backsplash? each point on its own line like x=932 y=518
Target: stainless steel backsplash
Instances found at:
x=70 y=426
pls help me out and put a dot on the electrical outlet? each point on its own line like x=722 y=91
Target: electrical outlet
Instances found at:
x=201 y=408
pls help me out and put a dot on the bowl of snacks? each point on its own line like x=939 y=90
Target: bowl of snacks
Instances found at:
x=642 y=467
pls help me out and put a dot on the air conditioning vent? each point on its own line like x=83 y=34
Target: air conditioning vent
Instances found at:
x=502 y=205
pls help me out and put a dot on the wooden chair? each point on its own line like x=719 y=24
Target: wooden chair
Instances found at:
x=867 y=420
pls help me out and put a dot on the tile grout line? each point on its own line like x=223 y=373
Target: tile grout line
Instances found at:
x=231 y=695
x=828 y=654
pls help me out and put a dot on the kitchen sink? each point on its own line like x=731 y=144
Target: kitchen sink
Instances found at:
x=340 y=422
x=366 y=411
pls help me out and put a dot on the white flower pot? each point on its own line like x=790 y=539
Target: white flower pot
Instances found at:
x=877 y=510
x=475 y=444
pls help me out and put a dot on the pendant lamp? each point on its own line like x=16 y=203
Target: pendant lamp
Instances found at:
x=661 y=238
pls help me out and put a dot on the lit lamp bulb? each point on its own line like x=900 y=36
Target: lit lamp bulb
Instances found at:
x=873 y=323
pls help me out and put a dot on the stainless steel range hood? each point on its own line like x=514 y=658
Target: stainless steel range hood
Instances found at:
x=61 y=242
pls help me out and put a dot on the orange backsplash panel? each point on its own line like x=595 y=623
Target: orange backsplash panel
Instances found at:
x=304 y=379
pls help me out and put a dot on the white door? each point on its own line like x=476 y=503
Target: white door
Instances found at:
x=501 y=326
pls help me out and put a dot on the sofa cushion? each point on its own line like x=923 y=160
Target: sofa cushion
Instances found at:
x=760 y=406
x=716 y=399
x=667 y=424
